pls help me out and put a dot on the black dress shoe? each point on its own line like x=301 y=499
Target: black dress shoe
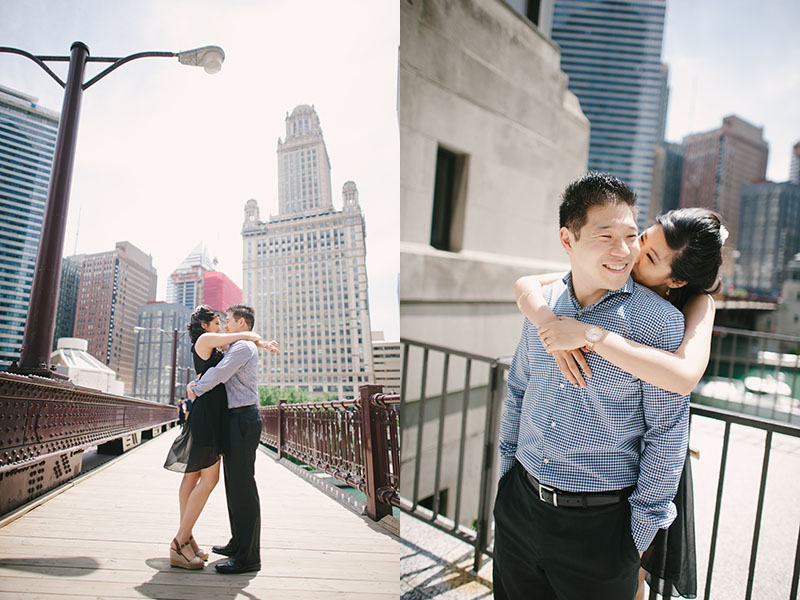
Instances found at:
x=225 y=550
x=233 y=566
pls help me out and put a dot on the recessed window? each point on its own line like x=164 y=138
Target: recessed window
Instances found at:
x=447 y=225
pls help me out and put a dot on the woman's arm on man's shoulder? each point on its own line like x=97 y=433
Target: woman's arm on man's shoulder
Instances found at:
x=530 y=299
x=676 y=372
x=206 y=343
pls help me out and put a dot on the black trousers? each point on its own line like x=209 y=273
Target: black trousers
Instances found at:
x=543 y=552
x=239 y=463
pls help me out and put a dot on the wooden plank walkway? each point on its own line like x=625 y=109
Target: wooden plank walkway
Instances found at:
x=108 y=537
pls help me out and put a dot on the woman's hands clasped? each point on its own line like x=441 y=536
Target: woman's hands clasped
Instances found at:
x=563 y=338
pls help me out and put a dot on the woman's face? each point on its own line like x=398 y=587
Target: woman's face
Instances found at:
x=654 y=266
x=212 y=326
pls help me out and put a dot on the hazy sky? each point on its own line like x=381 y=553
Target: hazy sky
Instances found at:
x=167 y=155
x=735 y=57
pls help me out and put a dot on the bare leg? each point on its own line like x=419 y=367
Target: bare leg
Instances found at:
x=640 y=592
x=188 y=483
x=196 y=501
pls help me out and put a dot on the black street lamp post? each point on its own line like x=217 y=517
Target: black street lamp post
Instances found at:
x=41 y=320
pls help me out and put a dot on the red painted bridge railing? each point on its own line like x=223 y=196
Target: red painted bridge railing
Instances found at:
x=356 y=441
x=46 y=424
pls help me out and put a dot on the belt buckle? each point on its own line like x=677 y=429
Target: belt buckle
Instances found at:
x=552 y=493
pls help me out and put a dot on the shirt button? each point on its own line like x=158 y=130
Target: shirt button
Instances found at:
x=546 y=460
x=561 y=385
x=553 y=424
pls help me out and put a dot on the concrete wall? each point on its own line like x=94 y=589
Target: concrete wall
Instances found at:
x=478 y=79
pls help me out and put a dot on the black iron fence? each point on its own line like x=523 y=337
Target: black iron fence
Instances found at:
x=450 y=411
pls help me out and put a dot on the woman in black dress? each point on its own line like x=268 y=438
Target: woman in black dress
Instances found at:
x=679 y=260
x=197 y=450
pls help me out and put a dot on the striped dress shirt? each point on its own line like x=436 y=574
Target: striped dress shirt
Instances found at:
x=616 y=432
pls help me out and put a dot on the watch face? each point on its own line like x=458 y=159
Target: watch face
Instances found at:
x=593 y=334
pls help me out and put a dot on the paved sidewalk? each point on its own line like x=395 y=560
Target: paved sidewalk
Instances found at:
x=108 y=537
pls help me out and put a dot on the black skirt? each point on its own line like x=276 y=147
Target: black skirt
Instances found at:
x=672 y=559
x=202 y=441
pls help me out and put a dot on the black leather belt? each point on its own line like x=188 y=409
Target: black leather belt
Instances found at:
x=242 y=408
x=555 y=497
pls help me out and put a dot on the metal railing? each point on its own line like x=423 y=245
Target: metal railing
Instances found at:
x=446 y=405
x=754 y=373
x=356 y=441
x=45 y=425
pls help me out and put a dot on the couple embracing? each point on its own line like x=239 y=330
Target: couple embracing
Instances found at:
x=224 y=422
x=595 y=478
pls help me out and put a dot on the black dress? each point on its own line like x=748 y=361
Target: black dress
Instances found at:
x=203 y=438
x=671 y=558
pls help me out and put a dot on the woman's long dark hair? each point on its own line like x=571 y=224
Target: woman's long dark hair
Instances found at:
x=696 y=235
x=202 y=314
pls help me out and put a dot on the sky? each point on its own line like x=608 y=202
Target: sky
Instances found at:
x=735 y=57
x=167 y=155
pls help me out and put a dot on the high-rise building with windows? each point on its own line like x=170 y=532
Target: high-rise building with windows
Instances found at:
x=611 y=52
x=112 y=288
x=794 y=166
x=305 y=271
x=387 y=363
x=219 y=292
x=769 y=236
x=67 y=297
x=716 y=165
x=155 y=326
x=27 y=144
x=185 y=283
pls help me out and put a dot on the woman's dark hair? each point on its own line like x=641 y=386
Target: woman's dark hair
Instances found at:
x=201 y=314
x=696 y=235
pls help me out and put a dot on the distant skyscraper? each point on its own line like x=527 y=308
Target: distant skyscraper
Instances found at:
x=612 y=54
x=27 y=144
x=113 y=286
x=185 y=284
x=716 y=165
x=219 y=292
x=305 y=271
x=153 y=363
x=769 y=236
x=794 y=167
x=387 y=363
x=67 y=297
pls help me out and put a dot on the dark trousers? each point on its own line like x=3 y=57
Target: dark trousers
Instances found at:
x=543 y=552
x=239 y=462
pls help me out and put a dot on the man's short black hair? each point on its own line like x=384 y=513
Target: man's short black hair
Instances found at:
x=243 y=311
x=592 y=189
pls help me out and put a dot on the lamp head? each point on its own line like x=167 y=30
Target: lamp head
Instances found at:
x=208 y=57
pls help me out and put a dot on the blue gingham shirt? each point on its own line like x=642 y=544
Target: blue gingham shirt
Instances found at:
x=616 y=432
x=238 y=370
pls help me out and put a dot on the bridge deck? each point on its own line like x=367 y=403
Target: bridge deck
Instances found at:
x=108 y=537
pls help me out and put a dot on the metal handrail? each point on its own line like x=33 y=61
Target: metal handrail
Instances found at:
x=354 y=440
x=431 y=510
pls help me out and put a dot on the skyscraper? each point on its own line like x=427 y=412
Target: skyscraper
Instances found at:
x=113 y=286
x=769 y=236
x=27 y=144
x=716 y=165
x=185 y=283
x=156 y=322
x=794 y=167
x=219 y=292
x=305 y=271
x=67 y=297
x=612 y=54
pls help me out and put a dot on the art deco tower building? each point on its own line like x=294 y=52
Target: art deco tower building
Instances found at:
x=305 y=271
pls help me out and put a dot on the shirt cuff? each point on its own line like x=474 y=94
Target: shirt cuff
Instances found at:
x=643 y=533
x=506 y=464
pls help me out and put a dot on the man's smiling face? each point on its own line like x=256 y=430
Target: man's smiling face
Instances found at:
x=604 y=253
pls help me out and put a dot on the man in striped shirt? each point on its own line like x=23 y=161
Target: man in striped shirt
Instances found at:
x=588 y=474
